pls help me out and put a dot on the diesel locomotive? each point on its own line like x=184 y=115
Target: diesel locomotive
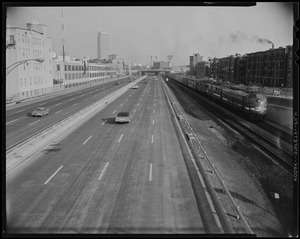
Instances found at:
x=251 y=104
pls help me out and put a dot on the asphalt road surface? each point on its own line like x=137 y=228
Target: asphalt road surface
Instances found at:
x=109 y=178
x=21 y=125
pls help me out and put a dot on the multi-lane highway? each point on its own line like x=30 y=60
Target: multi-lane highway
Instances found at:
x=20 y=124
x=106 y=177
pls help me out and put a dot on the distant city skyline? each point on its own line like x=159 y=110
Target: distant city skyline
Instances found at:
x=137 y=33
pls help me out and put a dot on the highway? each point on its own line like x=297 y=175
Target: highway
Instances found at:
x=106 y=177
x=20 y=124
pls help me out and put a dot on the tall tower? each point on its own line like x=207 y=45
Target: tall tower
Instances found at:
x=63 y=35
x=102 y=45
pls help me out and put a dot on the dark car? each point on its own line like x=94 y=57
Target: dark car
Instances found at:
x=40 y=111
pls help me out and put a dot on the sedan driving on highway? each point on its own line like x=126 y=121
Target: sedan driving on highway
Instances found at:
x=123 y=117
x=40 y=111
x=135 y=87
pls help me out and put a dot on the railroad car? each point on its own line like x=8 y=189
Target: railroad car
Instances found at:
x=252 y=104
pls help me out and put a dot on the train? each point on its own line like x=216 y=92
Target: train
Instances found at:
x=251 y=104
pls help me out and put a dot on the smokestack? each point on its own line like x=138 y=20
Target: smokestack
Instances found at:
x=272 y=46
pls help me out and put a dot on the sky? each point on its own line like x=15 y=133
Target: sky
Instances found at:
x=138 y=32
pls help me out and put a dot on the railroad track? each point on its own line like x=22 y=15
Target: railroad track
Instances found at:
x=274 y=150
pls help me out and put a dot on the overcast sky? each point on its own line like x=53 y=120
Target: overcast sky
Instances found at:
x=136 y=33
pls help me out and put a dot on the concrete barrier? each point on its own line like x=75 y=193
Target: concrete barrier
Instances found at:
x=280 y=115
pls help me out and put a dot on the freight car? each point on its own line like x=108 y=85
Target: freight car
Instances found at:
x=253 y=105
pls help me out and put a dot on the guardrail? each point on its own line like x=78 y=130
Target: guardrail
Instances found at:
x=29 y=147
x=192 y=137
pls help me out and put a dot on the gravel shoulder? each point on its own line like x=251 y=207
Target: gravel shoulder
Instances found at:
x=251 y=177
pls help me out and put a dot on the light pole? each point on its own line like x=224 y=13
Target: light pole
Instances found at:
x=18 y=63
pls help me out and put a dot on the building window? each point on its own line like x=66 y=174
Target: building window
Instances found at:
x=58 y=67
x=69 y=67
x=66 y=67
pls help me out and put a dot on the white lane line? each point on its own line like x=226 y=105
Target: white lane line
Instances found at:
x=126 y=99
x=87 y=140
x=121 y=104
x=153 y=122
x=53 y=174
x=152 y=139
x=94 y=95
x=120 y=138
x=103 y=122
x=114 y=111
x=19 y=111
x=82 y=94
x=138 y=103
x=11 y=121
x=74 y=104
x=134 y=110
x=153 y=111
x=34 y=122
x=57 y=104
x=103 y=171
x=150 y=172
x=140 y=98
x=72 y=98
x=58 y=111
x=154 y=104
x=86 y=99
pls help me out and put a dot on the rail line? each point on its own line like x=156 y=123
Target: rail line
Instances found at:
x=280 y=155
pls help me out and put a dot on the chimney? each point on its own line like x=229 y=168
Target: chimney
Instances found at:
x=272 y=46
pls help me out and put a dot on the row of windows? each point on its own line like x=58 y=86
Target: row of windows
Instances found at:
x=26 y=38
x=37 y=80
x=28 y=53
x=81 y=68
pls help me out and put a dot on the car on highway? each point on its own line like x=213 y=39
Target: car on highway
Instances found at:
x=40 y=111
x=123 y=117
x=117 y=83
x=135 y=87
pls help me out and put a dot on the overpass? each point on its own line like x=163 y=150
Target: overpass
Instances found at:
x=153 y=71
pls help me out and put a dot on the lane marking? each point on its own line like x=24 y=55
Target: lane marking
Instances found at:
x=34 y=122
x=134 y=111
x=87 y=140
x=94 y=95
x=138 y=103
x=72 y=98
x=153 y=122
x=57 y=104
x=103 y=122
x=74 y=104
x=86 y=99
x=154 y=104
x=126 y=99
x=11 y=121
x=153 y=111
x=114 y=112
x=150 y=172
x=19 y=111
x=103 y=171
x=121 y=104
x=152 y=139
x=58 y=111
x=120 y=138
x=53 y=174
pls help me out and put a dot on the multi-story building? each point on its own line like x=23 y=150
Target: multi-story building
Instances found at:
x=194 y=59
x=72 y=73
x=162 y=65
x=202 y=69
x=102 y=45
x=270 y=68
x=28 y=62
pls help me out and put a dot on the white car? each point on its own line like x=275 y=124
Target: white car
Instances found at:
x=135 y=87
x=123 y=117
